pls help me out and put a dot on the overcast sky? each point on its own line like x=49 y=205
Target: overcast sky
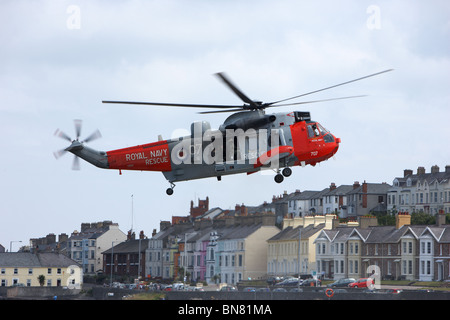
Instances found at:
x=60 y=59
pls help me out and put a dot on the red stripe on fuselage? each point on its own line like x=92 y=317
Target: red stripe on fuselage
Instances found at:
x=148 y=157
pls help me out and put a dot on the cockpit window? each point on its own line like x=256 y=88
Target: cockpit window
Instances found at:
x=316 y=130
x=328 y=138
x=322 y=129
x=310 y=132
x=313 y=130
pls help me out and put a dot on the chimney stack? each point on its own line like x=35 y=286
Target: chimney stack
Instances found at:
x=356 y=185
x=407 y=172
x=163 y=225
x=435 y=169
x=401 y=219
x=420 y=170
x=440 y=218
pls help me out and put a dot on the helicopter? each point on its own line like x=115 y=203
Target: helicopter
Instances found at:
x=248 y=141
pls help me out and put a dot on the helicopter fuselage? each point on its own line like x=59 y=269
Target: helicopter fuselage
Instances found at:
x=246 y=142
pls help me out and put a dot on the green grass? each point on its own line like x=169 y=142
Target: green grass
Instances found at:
x=146 y=296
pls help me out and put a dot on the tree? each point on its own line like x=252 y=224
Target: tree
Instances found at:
x=41 y=280
x=422 y=218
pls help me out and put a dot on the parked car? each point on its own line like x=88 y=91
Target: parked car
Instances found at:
x=361 y=283
x=273 y=280
x=394 y=291
x=305 y=276
x=263 y=290
x=228 y=288
x=249 y=289
x=291 y=282
x=178 y=286
x=279 y=290
x=344 y=282
x=311 y=283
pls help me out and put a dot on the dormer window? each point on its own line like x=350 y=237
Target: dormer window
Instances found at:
x=396 y=183
x=409 y=182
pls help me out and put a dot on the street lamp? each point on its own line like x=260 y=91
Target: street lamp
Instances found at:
x=111 y=266
x=299 y=254
x=10 y=244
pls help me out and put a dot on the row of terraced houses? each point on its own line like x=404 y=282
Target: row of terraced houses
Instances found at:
x=231 y=245
x=301 y=232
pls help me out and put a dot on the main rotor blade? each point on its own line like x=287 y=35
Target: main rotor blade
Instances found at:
x=175 y=104
x=78 y=124
x=314 y=101
x=222 y=111
x=235 y=89
x=336 y=85
x=95 y=135
x=62 y=135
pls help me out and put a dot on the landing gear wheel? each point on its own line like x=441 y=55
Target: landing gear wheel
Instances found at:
x=169 y=191
x=287 y=172
x=279 y=178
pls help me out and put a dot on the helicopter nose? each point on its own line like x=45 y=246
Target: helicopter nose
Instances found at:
x=338 y=140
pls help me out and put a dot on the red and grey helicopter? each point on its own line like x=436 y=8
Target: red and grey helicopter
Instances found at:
x=248 y=141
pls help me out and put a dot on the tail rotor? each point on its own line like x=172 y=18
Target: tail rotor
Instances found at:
x=75 y=144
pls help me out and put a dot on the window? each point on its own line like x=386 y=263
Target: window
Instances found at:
x=407 y=267
x=16 y=271
x=30 y=271
x=310 y=132
x=49 y=271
